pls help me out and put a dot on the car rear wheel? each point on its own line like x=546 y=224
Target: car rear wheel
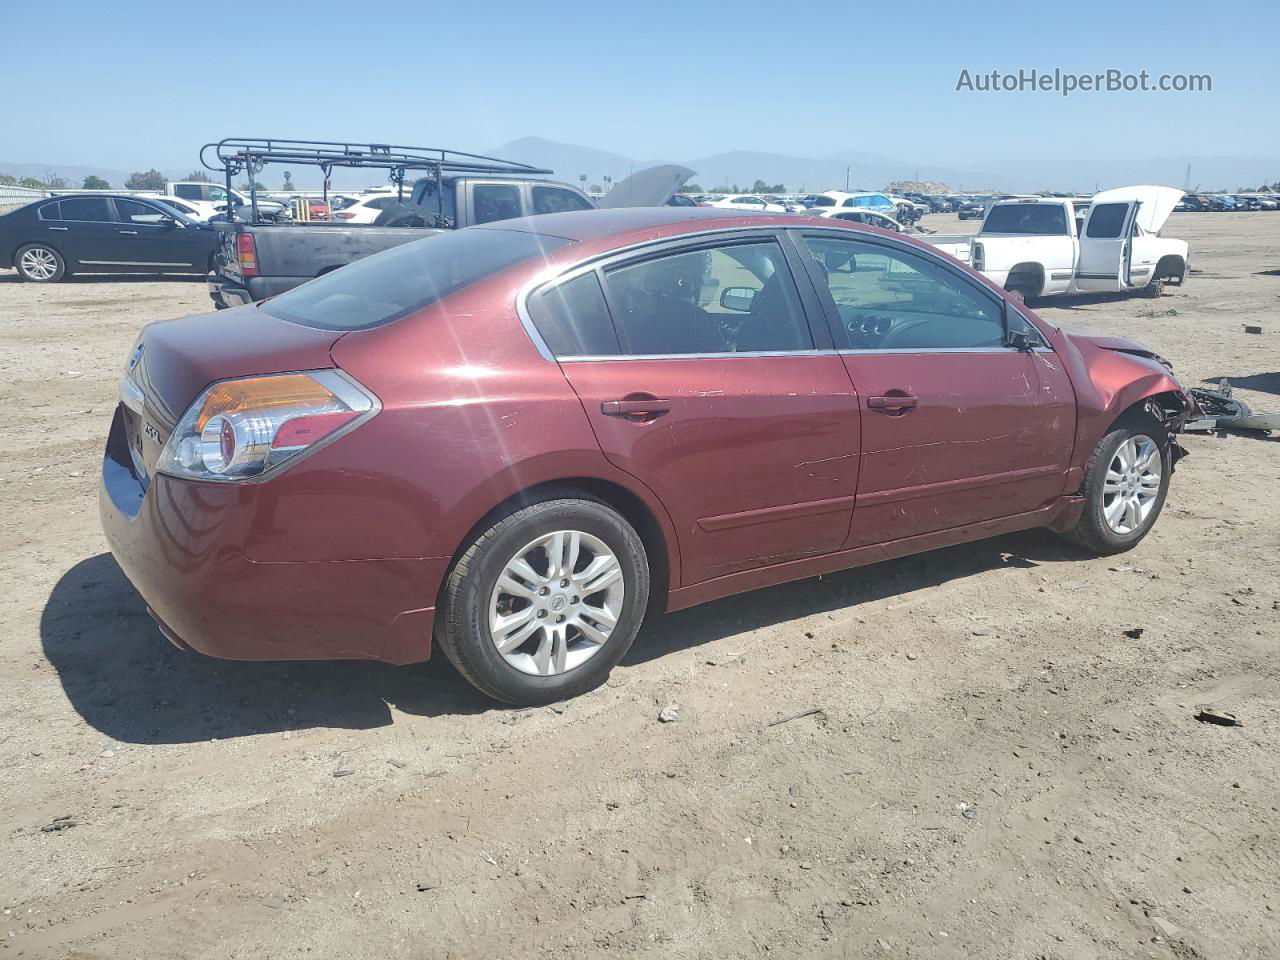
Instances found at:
x=545 y=601
x=40 y=264
x=1125 y=485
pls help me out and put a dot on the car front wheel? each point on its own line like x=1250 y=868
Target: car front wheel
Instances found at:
x=545 y=601
x=40 y=264
x=1125 y=485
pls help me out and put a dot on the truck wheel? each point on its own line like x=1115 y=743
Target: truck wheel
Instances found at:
x=545 y=602
x=38 y=263
x=1125 y=485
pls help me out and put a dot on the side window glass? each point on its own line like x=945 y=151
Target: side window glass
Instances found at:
x=496 y=201
x=890 y=299
x=1106 y=220
x=736 y=298
x=191 y=191
x=381 y=203
x=50 y=211
x=131 y=211
x=556 y=200
x=86 y=208
x=573 y=319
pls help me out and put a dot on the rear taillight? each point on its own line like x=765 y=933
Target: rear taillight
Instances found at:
x=342 y=215
x=241 y=429
x=977 y=256
x=247 y=254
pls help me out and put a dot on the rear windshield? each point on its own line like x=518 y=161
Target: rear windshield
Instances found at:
x=396 y=282
x=1037 y=218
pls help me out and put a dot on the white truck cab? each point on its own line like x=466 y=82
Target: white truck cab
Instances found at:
x=1045 y=246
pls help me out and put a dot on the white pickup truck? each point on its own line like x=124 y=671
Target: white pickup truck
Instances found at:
x=1045 y=246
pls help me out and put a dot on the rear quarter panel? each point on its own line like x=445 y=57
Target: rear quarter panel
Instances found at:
x=472 y=415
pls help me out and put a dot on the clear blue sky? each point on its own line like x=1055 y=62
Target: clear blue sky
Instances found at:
x=135 y=84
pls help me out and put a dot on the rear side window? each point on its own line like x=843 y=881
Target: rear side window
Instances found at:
x=50 y=211
x=495 y=201
x=188 y=191
x=1031 y=218
x=825 y=202
x=86 y=208
x=573 y=319
x=734 y=298
x=396 y=282
x=1106 y=220
x=557 y=200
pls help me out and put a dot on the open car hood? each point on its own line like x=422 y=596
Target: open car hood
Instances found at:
x=651 y=187
x=1156 y=203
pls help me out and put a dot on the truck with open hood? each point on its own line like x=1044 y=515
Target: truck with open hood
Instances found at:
x=1046 y=246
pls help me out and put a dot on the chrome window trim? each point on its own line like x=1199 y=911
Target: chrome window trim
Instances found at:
x=557 y=275
x=745 y=355
x=902 y=350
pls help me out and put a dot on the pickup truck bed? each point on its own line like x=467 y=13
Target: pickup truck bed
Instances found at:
x=295 y=252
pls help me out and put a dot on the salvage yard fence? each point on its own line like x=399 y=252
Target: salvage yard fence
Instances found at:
x=11 y=197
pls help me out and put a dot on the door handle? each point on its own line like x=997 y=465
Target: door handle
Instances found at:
x=894 y=404
x=129 y=233
x=59 y=228
x=649 y=409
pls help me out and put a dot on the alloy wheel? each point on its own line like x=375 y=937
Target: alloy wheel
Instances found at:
x=556 y=602
x=1132 y=484
x=39 y=263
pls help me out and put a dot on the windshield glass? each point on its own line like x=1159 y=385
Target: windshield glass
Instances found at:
x=396 y=282
x=1036 y=218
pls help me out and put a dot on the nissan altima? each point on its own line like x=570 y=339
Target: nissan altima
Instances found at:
x=516 y=441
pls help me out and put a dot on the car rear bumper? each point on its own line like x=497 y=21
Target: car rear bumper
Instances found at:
x=225 y=292
x=182 y=545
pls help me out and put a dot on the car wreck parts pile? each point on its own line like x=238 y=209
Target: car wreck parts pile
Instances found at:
x=1222 y=411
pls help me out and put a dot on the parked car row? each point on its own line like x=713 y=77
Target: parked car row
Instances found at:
x=1224 y=202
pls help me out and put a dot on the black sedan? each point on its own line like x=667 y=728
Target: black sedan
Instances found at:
x=102 y=233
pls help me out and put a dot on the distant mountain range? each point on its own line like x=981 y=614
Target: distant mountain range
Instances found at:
x=862 y=170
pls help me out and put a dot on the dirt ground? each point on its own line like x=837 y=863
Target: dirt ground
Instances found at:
x=997 y=770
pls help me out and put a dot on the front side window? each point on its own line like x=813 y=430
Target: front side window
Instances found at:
x=93 y=209
x=734 y=298
x=396 y=282
x=890 y=299
x=1106 y=220
x=496 y=201
x=191 y=191
x=131 y=211
x=557 y=200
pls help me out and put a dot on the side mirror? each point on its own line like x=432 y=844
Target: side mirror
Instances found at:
x=737 y=298
x=1020 y=341
x=168 y=222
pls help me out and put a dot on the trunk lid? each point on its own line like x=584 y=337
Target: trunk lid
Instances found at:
x=174 y=360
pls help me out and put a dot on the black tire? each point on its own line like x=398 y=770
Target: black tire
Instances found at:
x=463 y=631
x=1092 y=530
x=44 y=253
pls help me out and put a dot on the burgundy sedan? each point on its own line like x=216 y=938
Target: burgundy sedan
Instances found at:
x=516 y=440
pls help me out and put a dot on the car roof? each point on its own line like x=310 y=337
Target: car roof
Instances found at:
x=583 y=225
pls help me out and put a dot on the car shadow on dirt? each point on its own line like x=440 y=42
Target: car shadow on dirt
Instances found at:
x=128 y=682
x=1261 y=382
x=845 y=589
x=83 y=278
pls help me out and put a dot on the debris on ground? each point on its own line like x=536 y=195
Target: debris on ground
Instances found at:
x=670 y=713
x=1133 y=633
x=59 y=824
x=1209 y=714
x=812 y=711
